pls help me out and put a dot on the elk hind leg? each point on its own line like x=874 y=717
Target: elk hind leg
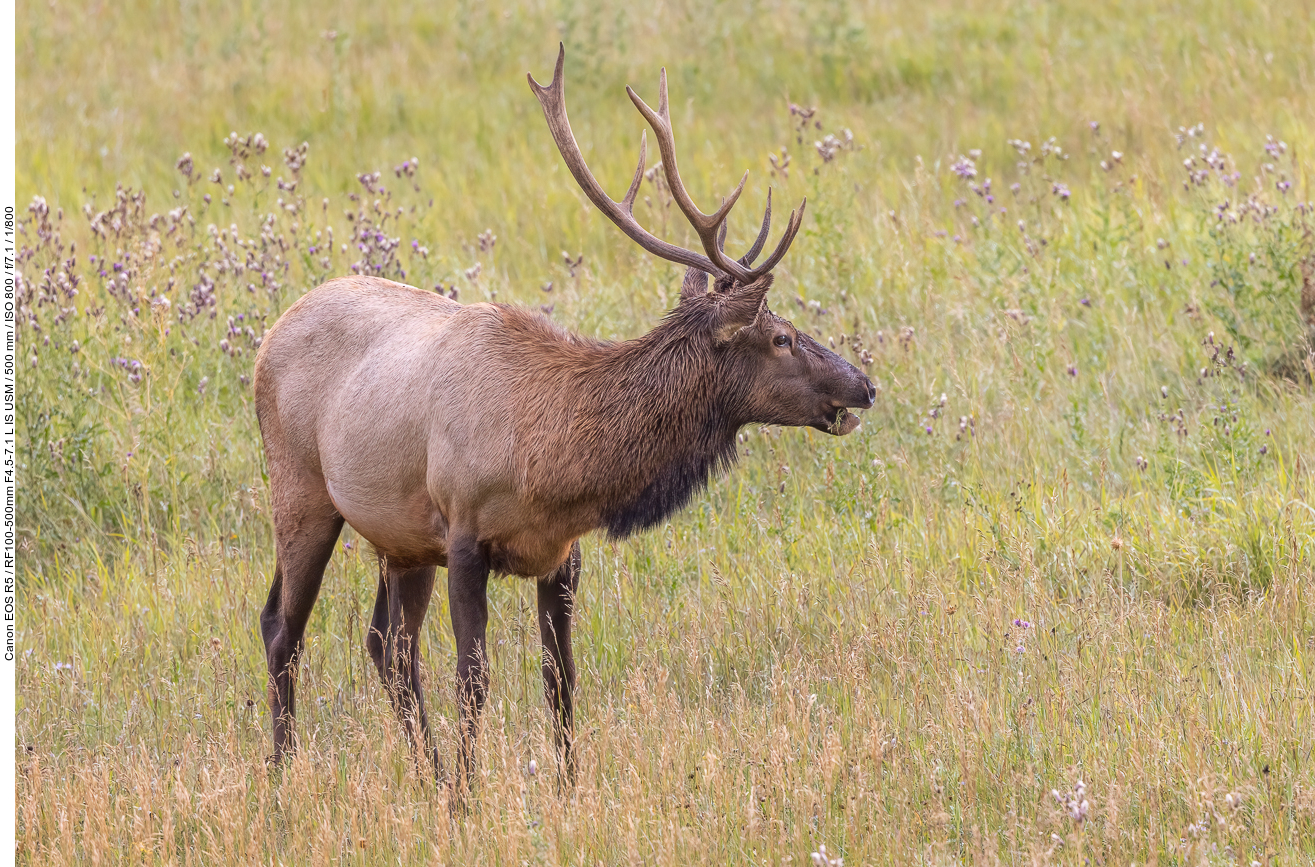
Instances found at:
x=394 y=645
x=305 y=529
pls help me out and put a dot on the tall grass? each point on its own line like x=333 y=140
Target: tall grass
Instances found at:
x=1052 y=603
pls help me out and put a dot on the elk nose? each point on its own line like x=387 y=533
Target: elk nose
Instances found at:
x=871 y=393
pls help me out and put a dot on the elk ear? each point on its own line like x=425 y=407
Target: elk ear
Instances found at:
x=695 y=285
x=739 y=308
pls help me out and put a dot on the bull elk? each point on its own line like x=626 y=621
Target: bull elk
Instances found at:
x=485 y=439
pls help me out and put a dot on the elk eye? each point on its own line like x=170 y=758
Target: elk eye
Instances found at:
x=782 y=340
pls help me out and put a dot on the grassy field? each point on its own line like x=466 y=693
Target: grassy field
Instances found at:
x=1052 y=603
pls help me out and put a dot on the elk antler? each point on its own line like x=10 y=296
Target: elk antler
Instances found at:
x=711 y=229
x=708 y=226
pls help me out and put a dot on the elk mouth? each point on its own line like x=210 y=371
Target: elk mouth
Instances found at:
x=839 y=421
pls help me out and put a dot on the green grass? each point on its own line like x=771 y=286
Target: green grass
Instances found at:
x=1099 y=423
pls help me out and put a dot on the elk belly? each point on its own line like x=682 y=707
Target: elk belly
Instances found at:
x=528 y=558
x=526 y=541
x=408 y=529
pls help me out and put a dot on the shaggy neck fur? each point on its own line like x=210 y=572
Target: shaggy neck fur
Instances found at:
x=678 y=392
x=650 y=421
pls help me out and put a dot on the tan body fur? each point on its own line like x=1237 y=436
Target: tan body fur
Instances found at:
x=416 y=414
x=405 y=447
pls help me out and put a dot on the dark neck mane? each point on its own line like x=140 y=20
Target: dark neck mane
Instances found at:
x=674 y=482
x=653 y=424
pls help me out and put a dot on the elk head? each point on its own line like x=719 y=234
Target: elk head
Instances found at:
x=773 y=372
x=769 y=371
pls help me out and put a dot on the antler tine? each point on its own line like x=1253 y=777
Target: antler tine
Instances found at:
x=553 y=101
x=747 y=259
x=629 y=201
x=791 y=229
x=706 y=226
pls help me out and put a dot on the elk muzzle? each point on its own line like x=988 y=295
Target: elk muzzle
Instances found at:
x=849 y=389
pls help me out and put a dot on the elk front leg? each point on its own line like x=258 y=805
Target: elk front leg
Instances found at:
x=467 y=586
x=556 y=604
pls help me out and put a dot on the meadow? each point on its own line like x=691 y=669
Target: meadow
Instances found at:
x=1052 y=603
